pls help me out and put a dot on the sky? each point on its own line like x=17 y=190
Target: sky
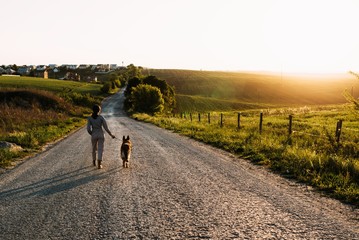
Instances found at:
x=305 y=36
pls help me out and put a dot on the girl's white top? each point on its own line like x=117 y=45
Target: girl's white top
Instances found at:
x=94 y=126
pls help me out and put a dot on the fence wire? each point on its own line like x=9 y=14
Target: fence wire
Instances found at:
x=237 y=121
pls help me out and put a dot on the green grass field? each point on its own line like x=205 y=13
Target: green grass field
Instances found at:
x=188 y=103
x=52 y=85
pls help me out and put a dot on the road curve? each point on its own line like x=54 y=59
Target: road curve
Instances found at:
x=175 y=188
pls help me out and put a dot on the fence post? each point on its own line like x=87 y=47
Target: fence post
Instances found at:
x=239 y=121
x=290 y=124
x=221 y=119
x=338 y=130
x=209 y=118
x=260 y=122
x=199 y=117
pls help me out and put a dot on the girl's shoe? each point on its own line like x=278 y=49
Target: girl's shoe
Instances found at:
x=99 y=164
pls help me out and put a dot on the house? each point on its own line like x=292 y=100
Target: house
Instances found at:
x=93 y=67
x=52 y=66
x=10 y=71
x=69 y=66
x=54 y=73
x=92 y=78
x=72 y=76
x=113 y=66
x=41 y=73
x=72 y=66
x=41 y=67
x=84 y=66
x=103 y=67
x=24 y=70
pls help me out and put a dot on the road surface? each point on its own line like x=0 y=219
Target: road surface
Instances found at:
x=175 y=188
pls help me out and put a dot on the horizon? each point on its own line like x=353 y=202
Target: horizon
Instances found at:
x=290 y=73
x=297 y=36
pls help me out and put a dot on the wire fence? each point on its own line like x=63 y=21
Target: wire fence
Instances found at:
x=294 y=126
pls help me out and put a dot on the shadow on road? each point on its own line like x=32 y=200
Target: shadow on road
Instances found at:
x=59 y=183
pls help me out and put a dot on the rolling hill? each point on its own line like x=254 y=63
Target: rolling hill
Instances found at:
x=216 y=90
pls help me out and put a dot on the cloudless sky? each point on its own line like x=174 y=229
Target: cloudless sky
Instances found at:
x=245 y=35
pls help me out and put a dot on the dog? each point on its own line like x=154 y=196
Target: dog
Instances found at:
x=126 y=149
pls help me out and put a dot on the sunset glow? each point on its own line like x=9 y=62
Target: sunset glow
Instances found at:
x=258 y=35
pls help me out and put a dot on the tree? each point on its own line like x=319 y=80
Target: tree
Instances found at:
x=106 y=88
x=147 y=99
x=122 y=80
x=14 y=67
x=166 y=90
x=112 y=77
x=133 y=71
x=132 y=82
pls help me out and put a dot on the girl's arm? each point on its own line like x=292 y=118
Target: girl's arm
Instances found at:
x=89 y=127
x=106 y=127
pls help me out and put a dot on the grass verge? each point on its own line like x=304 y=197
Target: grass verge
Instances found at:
x=311 y=154
x=31 y=118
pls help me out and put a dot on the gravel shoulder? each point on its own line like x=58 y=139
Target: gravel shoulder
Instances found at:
x=175 y=188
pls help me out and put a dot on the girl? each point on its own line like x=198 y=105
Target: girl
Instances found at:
x=94 y=127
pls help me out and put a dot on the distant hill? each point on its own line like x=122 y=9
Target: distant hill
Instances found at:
x=238 y=90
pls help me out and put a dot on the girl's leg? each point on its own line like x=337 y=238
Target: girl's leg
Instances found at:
x=100 y=151
x=100 y=145
x=94 y=150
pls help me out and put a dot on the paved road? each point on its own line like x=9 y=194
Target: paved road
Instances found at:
x=175 y=188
